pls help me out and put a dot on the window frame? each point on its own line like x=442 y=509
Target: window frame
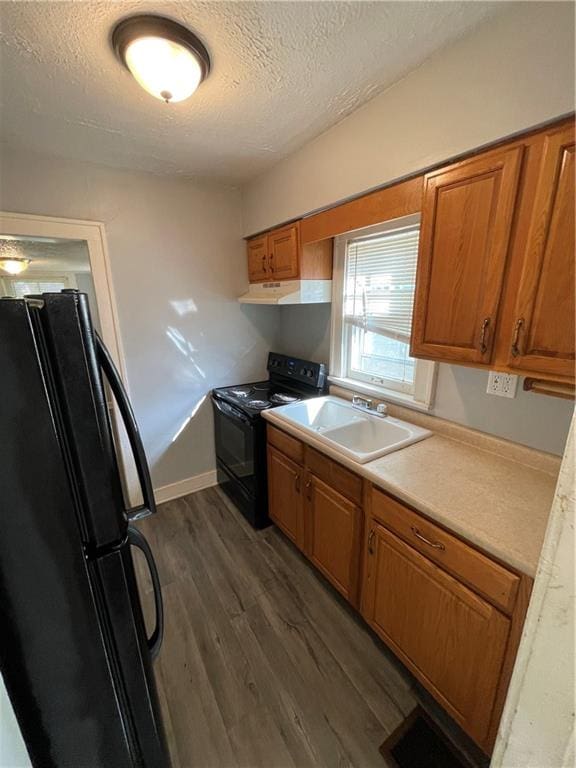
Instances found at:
x=424 y=371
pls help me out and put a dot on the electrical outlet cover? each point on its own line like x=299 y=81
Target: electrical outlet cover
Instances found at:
x=502 y=384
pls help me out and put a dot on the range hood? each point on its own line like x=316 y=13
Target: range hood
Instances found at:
x=289 y=292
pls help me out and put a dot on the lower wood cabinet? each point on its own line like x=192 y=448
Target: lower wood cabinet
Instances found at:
x=333 y=531
x=451 y=639
x=285 y=500
x=452 y=614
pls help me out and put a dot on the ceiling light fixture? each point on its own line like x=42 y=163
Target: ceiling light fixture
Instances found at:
x=14 y=266
x=166 y=59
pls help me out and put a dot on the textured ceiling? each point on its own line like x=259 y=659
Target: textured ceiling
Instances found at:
x=48 y=255
x=283 y=72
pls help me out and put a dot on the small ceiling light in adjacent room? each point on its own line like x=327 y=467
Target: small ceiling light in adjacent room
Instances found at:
x=11 y=260
x=166 y=59
x=14 y=266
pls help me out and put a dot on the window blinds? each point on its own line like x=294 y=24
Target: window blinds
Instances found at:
x=30 y=287
x=379 y=283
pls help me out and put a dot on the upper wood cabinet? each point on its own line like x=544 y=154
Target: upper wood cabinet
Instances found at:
x=274 y=255
x=453 y=641
x=467 y=216
x=496 y=281
x=333 y=527
x=258 y=268
x=279 y=255
x=541 y=339
x=283 y=252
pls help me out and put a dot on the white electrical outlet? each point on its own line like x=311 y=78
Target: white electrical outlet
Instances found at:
x=502 y=384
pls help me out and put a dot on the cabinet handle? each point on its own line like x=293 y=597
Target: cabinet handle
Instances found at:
x=264 y=264
x=309 y=490
x=297 y=483
x=270 y=262
x=370 y=540
x=483 y=331
x=435 y=544
x=515 y=349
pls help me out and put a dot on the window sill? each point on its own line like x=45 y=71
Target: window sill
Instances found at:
x=380 y=393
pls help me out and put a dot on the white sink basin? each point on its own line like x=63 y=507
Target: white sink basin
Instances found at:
x=321 y=413
x=357 y=434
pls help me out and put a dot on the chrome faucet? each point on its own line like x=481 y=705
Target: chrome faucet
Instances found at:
x=365 y=404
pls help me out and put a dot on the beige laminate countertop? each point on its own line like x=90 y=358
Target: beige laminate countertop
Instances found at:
x=496 y=502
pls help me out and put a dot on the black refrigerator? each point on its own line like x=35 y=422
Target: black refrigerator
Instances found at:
x=74 y=652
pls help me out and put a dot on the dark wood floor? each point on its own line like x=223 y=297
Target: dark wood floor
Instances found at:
x=263 y=665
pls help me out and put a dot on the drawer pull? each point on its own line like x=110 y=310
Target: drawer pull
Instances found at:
x=435 y=544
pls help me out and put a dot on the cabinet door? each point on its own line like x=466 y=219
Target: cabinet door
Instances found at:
x=333 y=532
x=542 y=339
x=452 y=640
x=283 y=246
x=285 y=505
x=466 y=222
x=258 y=259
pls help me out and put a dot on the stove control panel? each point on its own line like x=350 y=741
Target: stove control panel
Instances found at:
x=303 y=371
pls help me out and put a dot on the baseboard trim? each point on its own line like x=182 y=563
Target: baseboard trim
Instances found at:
x=184 y=487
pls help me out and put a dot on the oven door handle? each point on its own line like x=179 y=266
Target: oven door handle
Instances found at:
x=229 y=410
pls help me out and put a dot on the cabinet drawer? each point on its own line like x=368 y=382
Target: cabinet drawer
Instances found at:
x=485 y=576
x=288 y=445
x=335 y=475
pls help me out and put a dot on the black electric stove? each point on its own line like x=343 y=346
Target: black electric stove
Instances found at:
x=240 y=430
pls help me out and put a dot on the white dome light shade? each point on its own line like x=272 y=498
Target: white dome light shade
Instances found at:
x=165 y=69
x=164 y=57
x=14 y=266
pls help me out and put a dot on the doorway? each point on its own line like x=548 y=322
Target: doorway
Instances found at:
x=50 y=254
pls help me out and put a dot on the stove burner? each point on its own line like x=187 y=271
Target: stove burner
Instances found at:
x=260 y=404
x=238 y=393
x=283 y=399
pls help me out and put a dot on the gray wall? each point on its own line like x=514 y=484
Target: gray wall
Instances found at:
x=536 y=420
x=507 y=81
x=178 y=264
x=13 y=752
x=513 y=71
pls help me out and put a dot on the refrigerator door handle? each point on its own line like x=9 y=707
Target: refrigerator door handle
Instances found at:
x=136 y=539
x=121 y=397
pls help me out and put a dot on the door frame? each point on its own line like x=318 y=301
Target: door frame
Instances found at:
x=94 y=234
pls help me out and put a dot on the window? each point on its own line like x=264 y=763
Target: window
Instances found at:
x=32 y=285
x=374 y=280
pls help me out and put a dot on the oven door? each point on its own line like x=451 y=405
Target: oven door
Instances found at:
x=235 y=443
